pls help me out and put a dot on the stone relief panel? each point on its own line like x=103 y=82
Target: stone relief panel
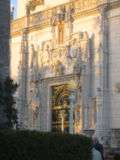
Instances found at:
x=62 y=17
x=46 y=59
x=65 y=59
x=50 y=61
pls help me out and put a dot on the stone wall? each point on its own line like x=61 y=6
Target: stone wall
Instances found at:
x=102 y=27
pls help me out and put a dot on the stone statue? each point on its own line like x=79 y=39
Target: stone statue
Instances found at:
x=59 y=68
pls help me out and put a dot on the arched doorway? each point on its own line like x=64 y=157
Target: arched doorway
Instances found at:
x=60 y=108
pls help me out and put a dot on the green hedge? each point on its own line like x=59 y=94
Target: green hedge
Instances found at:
x=32 y=145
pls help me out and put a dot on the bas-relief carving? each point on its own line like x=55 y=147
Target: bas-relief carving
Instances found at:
x=117 y=88
x=60 y=17
x=59 y=60
x=45 y=17
x=49 y=62
x=63 y=59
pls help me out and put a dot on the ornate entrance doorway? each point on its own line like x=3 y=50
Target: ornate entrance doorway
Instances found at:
x=60 y=108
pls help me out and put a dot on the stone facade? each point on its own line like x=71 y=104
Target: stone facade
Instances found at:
x=68 y=48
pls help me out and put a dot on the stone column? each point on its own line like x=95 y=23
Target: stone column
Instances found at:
x=71 y=111
x=103 y=105
x=23 y=89
x=85 y=98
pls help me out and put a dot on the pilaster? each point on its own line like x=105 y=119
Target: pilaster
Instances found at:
x=103 y=106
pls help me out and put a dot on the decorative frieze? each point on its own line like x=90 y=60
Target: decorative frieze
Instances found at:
x=44 y=17
x=63 y=59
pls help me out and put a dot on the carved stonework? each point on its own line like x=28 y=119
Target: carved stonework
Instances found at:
x=58 y=60
x=33 y=3
x=33 y=103
x=60 y=16
x=59 y=68
x=78 y=119
x=117 y=87
x=50 y=17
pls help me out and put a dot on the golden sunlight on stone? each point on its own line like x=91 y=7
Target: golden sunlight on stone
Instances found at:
x=65 y=56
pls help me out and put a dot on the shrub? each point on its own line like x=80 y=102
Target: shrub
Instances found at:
x=7 y=102
x=32 y=145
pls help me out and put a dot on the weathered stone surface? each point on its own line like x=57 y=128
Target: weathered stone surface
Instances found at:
x=49 y=53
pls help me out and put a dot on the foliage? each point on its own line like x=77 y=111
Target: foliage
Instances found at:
x=32 y=145
x=117 y=156
x=7 y=90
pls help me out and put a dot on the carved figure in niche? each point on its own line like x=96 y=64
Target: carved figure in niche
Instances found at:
x=54 y=21
x=60 y=32
x=46 y=54
x=59 y=68
x=77 y=119
x=74 y=49
x=77 y=66
x=58 y=20
x=61 y=13
x=85 y=46
x=62 y=54
x=34 y=64
x=70 y=13
x=33 y=57
x=35 y=113
x=78 y=62
x=34 y=101
x=70 y=17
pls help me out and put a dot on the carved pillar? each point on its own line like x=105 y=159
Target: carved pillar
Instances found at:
x=103 y=106
x=71 y=112
x=86 y=82
x=70 y=18
x=23 y=89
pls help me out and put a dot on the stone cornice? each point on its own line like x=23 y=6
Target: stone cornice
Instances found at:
x=42 y=19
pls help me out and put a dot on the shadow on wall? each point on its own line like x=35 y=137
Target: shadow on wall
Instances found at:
x=4 y=38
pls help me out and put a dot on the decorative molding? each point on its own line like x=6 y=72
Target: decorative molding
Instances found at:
x=43 y=19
